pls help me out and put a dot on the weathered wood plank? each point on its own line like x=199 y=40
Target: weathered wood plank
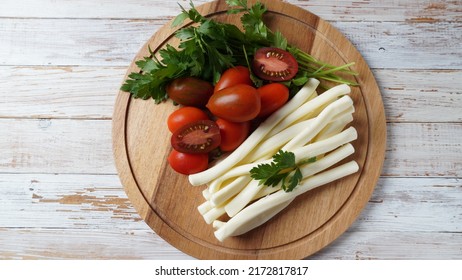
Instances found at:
x=395 y=45
x=421 y=95
x=413 y=205
x=61 y=63
x=131 y=9
x=84 y=244
x=70 y=201
x=85 y=146
x=66 y=201
x=426 y=149
x=59 y=92
x=387 y=245
x=89 y=92
x=412 y=45
x=73 y=42
x=56 y=146
x=55 y=244
x=61 y=216
x=344 y=10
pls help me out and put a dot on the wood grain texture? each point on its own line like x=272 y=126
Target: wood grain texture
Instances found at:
x=412 y=246
x=420 y=96
x=98 y=42
x=33 y=145
x=155 y=189
x=36 y=145
x=402 y=41
x=66 y=92
x=61 y=63
x=343 y=10
x=81 y=201
x=89 y=92
x=79 y=244
x=108 y=42
x=85 y=244
x=74 y=202
x=100 y=223
x=419 y=149
x=399 y=205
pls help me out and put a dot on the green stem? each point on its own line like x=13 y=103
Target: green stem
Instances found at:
x=338 y=69
x=335 y=79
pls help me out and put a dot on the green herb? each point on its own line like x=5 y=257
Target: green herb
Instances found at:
x=209 y=47
x=283 y=169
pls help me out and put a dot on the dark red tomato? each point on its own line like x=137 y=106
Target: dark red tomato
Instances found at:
x=184 y=116
x=239 y=103
x=197 y=137
x=272 y=96
x=190 y=91
x=188 y=163
x=232 y=134
x=274 y=64
x=234 y=76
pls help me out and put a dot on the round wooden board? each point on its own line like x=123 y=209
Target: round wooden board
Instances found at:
x=168 y=204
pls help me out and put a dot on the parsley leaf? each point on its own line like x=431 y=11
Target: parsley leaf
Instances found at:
x=279 y=40
x=283 y=169
x=209 y=47
x=237 y=6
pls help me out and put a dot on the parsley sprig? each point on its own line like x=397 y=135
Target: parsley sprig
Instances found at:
x=282 y=170
x=209 y=47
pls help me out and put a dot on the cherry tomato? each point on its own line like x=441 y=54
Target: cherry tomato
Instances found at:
x=196 y=137
x=190 y=91
x=239 y=103
x=234 y=76
x=232 y=134
x=184 y=116
x=272 y=96
x=188 y=163
x=274 y=64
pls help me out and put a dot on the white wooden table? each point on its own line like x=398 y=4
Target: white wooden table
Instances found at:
x=62 y=62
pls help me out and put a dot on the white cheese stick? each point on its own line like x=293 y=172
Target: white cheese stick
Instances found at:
x=255 y=138
x=265 y=208
x=312 y=105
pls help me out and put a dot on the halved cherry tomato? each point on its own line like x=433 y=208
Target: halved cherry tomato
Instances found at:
x=232 y=134
x=239 y=103
x=188 y=163
x=184 y=116
x=272 y=96
x=190 y=91
x=234 y=76
x=274 y=64
x=196 y=137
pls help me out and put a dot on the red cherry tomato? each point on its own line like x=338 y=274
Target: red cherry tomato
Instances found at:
x=273 y=96
x=234 y=76
x=188 y=163
x=196 y=137
x=232 y=134
x=274 y=64
x=239 y=103
x=190 y=91
x=184 y=116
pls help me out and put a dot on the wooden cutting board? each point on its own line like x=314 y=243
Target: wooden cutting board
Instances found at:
x=168 y=204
